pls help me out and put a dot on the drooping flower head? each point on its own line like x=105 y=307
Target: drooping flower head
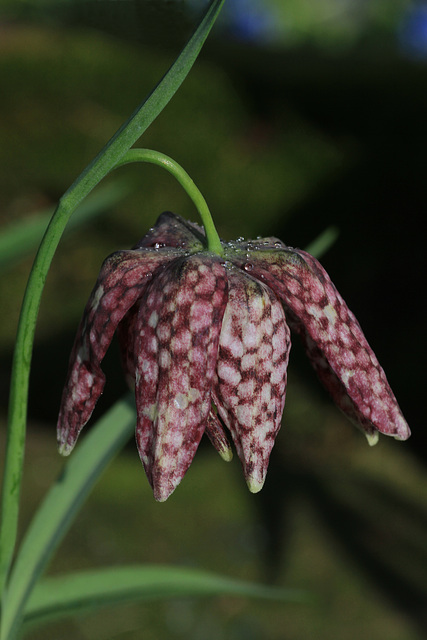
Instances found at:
x=205 y=342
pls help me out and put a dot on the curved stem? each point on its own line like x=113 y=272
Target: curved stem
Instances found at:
x=161 y=160
x=18 y=396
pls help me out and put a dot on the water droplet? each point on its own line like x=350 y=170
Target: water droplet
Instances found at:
x=159 y=245
x=248 y=266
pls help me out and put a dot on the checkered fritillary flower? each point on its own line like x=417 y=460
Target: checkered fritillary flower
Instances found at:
x=205 y=342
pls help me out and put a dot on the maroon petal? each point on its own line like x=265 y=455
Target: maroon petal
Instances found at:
x=126 y=338
x=122 y=278
x=251 y=373
x=171 y=230
x=217 y=436
x=334 y=340
x=176 y=348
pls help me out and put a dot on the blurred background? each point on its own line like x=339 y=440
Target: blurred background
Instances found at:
x=297 y=117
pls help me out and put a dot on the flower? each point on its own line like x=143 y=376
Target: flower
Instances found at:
x=205 y=342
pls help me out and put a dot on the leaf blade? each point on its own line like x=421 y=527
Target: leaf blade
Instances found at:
x=57 y=597
x=19 y=239
x=60 y=505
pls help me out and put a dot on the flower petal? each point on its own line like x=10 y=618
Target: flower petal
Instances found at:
x=217 y=436
x=123 y=277
x=250 y=383
x=126 y=338
x=171 y=230
x=334 y=340
x=176 y=346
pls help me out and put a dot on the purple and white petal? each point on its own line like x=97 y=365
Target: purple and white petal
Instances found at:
x=334 y=340
x=250 y=386
x=173 y=231
x=218 y=437
x=123 y=277
x=176 y=349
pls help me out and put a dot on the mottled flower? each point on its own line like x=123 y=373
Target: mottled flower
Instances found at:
x=205 y=342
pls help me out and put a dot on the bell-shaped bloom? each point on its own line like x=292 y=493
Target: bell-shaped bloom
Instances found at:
x=205 y=343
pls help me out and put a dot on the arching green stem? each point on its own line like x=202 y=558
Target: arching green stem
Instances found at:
x=161 y=160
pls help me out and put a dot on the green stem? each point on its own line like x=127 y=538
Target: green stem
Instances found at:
x=161 y=160
x=18 y=398
x=102 y=164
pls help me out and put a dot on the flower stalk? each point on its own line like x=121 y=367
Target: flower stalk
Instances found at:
x=160 y=159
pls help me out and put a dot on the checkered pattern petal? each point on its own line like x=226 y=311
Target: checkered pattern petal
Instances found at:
x=250 y=385
x=122 y=278
x=176 y=348
x=171 y=230
x=334 y=340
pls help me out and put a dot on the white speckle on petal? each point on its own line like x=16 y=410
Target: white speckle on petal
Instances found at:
x=246 y=390
x=150 y=412
x=278 y=373
x=181 y=401
x=164 y=332
x=97 y=297
x=193 y=394
x=257 y=307
x=248 y=362
x=228 y=374
x=250 y=335
x=266 y=393
x=165 y=359
x=83 y=353
x=153 y=320
x=244 y=415
x=330 y=313
x=345 y=376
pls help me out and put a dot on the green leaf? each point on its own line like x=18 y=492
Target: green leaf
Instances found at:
x=61 y=504
x=320 y=245
x=77 y=593
x=20 y=239
x=145 y=113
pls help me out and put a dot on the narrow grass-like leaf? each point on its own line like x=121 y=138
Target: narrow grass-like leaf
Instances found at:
x=20 y=239
x=62 y=502
x=146 y=112
x=320 y=245
x=78 y=593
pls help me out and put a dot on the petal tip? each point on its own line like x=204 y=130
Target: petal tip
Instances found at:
x=372 y=437
x=401 y=437
x=160 y=498
x=226 y=454
x=65 y=448
x=162 y=493
x=254 y=485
